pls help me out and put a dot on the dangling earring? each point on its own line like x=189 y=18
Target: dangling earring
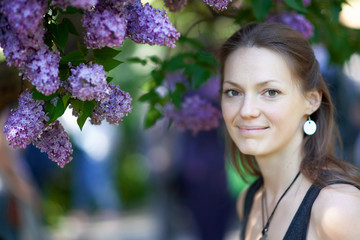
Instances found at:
x=309 y=127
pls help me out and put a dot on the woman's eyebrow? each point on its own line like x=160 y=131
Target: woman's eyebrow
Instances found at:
x=257 y=85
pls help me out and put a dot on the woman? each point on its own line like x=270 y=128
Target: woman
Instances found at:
x=279 y=115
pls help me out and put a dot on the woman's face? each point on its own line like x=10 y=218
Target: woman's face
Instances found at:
x=262 y=106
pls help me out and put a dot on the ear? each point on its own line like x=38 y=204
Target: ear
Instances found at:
x=313 y=102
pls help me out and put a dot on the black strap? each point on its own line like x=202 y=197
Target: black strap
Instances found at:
x=299 y=224
x=249 y=199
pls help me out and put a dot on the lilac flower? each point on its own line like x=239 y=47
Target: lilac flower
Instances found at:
x=220 y=5
x=175 y=77
x=150 y=25
x=25 y=122
x=42 y=70
x=25 y=16
x=89 y=82
x=56 y=143
x=17 y=47
x=114 y=109
x=83 y=4
x=306 y=3
x=195 y=114
x=104 y=26
x=296 y=21
x=117 y=4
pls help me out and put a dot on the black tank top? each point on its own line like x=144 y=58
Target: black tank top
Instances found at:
x=299 y=224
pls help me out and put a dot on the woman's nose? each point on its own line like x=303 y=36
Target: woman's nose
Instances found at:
x=249 y=107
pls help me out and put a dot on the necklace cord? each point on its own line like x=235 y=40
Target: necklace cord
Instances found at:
x=265 y=228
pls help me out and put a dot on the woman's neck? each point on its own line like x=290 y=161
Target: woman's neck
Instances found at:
x=278 y=170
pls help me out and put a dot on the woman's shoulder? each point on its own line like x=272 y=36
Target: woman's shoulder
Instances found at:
x=336 y=212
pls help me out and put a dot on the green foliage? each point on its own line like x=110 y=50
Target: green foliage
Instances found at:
x=261 y=8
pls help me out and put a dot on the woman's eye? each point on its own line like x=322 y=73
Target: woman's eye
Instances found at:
x=231 y=93
x=272 y=92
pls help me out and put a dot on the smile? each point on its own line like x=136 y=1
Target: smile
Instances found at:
x=252 y=129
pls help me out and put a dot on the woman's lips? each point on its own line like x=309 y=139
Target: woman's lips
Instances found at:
x=252 y=129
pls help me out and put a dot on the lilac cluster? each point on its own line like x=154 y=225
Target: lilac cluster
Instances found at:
x=89 y=83
x=220 y=5
x=56 y=143
x=306 y=3
x=25 y=122
x=21 y=37
x=114 y=109
x=42 y=70
x=296 y=21
x=21 y=29
x=196 y=114
x=149 y=25
x=175 y=77
x=83 y=4
x=104 y=26
x=25 y=16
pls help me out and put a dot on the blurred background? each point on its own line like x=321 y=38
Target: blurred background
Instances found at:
x=132 y=182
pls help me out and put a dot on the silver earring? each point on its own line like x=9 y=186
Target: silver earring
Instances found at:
x=309 y=127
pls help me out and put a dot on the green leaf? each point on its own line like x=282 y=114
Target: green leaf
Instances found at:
x=108 y=63
x=175 y=97
x=85 y=112
x=175 y=63
x=206 y=58
x=109 y=79
x=40 y=96
x=155 y=59
x=198 y=74
x=105 y=57
x=54 y=112
x=75 y=57
x=158 y=75
x=148 y=85
x=195 y=43
x=76 y=104
x=60 y=33
x=137 y=60
x=152 y=95
x=181 y=87
x=83 y=49
x=71 y=10
x=68 y=23
x=151 y=117
x=65 y=100
x=297 y=5
x=261 y=8
x=105 y=53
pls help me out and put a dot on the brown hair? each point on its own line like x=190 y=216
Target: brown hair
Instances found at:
x=318 y=149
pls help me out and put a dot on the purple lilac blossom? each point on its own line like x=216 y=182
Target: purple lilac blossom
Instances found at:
x=83 y=4
x=306 y=3
x=89 y=82
x=114 y=109
x=104 y=26
x=118 y=4
x=149 y=25
x=296 y=21
x=25 y=122
x=42 y=70
x=211 y=89
x=25 y=16
x=195 y=114
x=220 y=5
x=55 y=141
x=17 y=47
x=175 y=77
